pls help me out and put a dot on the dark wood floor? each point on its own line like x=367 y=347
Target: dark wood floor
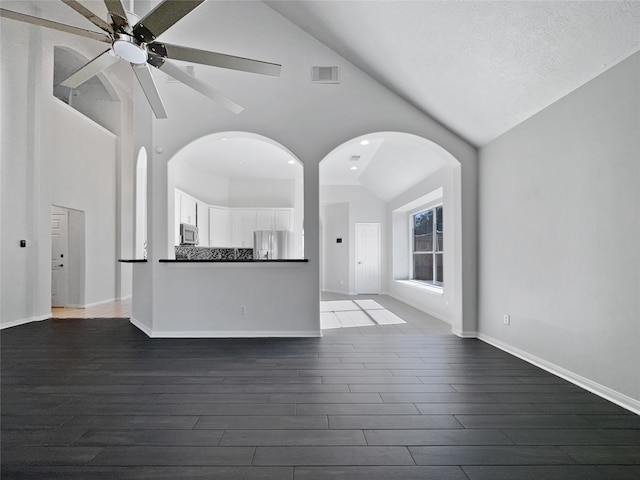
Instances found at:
x=97 y=399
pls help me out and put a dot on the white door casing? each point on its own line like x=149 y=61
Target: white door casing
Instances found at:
x=367 y=255
x=59 y=259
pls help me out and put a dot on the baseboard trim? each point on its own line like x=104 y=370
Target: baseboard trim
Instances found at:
x=607 y=393
x=140 y=326
x=23 y=321
x=233 y=334
x=222 y=333
x=343 y=292
x=463 y=333
x=101 y=302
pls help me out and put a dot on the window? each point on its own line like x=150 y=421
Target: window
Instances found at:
x=427 y=248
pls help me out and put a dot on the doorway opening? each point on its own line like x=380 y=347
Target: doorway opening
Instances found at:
x=67 y=257
x=366 y=186
x=226 y=188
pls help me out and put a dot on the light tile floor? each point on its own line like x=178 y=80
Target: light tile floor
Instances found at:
x=390 y=316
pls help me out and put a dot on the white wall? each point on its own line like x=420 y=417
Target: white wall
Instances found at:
x=336 y=263
x=207 y=299
x=310 y=120
x=560 y=236
x=84 y=178
x=77 y=257
x=27 y=151
x=26 y=295
x=363 y=207
x=447 y=303
x=270 y=193
x=206 y=187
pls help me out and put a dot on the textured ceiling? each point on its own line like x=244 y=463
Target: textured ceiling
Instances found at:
x=478 y=67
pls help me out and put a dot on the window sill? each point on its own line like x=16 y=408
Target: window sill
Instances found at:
x=421 y=286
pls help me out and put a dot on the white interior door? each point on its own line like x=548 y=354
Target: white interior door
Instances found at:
x=59 y=259
x=367 y=258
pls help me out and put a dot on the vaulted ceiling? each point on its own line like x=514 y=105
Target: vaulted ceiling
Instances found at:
x=478 y=67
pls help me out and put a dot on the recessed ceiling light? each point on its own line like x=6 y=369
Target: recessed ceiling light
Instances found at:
x=364 y=142
x=354 y=168
x=291 y=162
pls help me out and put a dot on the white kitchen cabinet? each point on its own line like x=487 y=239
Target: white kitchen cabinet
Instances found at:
x=202 y=222
x=244 y=221
x=283 y=219
x=187 y=209
x=264 y=219
x=219 y=227
x=243 y=224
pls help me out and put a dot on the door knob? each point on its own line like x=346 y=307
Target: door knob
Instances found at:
x=61 y=265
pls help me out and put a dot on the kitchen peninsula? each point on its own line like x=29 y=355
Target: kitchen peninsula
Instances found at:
x=224 y=297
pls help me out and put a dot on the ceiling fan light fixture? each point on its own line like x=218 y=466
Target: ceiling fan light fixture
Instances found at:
x=128 y=49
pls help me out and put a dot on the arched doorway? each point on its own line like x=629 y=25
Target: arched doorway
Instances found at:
x=386 y=181
x=231 y=184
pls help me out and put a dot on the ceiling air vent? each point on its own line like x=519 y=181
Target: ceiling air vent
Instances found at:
x=325 y=74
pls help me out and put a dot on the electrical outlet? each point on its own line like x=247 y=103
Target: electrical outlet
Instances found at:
x=243 y=310
x=506 y=320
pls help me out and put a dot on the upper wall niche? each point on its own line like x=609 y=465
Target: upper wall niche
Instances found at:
x=95 y=98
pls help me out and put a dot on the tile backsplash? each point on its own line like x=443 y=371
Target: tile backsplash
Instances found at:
x=187 y=252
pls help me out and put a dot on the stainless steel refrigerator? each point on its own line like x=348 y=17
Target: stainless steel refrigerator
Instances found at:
x=273 y=244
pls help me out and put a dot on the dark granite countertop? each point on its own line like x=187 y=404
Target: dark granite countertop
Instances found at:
x=239 y=260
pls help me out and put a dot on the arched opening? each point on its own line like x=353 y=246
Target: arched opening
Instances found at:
x=141 y=205
x=226 y=187
x=96 y=98
x=390 y=210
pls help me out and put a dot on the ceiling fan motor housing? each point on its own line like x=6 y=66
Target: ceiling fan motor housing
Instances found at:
x=129 y=48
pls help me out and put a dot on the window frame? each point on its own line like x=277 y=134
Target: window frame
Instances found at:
x=433 y=252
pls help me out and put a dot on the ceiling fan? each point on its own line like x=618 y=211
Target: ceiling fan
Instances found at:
x=137 y=44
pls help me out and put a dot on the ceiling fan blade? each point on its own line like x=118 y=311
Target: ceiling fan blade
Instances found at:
x=89 y=15
x=208 y=91
x=176 y=52
x=91 y=69
x=162 y=17
x=41 y=22
x=143 y=73
x=117 y=12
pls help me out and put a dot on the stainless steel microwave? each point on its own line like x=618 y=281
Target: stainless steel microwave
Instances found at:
x=188 y=234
